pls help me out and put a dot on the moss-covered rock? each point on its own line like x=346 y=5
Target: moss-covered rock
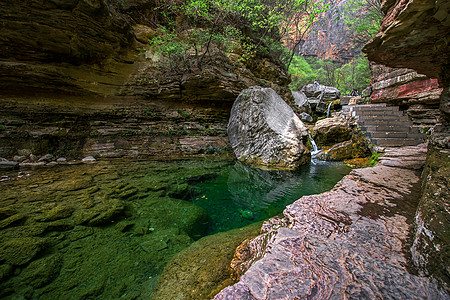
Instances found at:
x=42 y=271
x=21 y=250
x=203 y=269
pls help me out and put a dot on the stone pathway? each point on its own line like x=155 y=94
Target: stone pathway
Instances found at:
x=349 y=243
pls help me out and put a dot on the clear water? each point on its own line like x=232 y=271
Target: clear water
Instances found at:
x=238 y=194
x=106 y=231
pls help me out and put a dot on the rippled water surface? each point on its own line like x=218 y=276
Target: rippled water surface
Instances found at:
x=106 y=230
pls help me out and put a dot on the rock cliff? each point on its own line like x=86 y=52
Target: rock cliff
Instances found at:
x=87 y=60
x=330 y=38
x=415 y=35
x=415 y=93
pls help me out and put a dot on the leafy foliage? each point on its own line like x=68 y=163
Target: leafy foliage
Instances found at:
x=346 y=77
x=191 y=31
x=363 y=28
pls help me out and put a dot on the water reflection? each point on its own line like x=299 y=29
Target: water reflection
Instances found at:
x=240 y=194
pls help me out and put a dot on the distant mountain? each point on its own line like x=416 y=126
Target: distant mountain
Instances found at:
x=330 y=37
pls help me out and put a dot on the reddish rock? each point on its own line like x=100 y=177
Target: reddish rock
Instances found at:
x=416 y=93
x=346 y=243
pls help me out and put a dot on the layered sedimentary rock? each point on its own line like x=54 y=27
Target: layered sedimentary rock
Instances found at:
x=63 y=45
x=346 y=243
x=415 y=35
x=127 y=105
x=264 y=130
x=74 y=127
x=415 y=93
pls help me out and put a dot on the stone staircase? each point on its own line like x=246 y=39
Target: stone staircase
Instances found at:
x=386 y=126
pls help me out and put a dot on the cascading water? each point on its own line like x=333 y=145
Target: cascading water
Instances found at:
x=328 y=109
x=315 y=150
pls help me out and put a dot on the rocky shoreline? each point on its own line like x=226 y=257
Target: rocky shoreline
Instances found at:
x=350 y=242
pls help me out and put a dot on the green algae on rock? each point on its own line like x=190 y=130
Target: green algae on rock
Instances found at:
x=203 y=269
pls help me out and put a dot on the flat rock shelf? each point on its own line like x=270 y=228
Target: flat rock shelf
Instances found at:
x=349 y=243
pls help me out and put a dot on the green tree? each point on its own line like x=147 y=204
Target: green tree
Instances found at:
x=363 y=19
x=193 y=29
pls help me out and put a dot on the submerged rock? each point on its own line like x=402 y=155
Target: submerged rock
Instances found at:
x=198 y=271
x=7 y=164
x=346 y=243
x=264 y=130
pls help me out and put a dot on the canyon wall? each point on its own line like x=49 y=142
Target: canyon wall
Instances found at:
x=415 y=34
x=415 y=93
x=329 y=37
x=77 y=79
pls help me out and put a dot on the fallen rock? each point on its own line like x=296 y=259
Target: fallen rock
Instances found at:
x=88 y=159
x=306 y=117
x=46 y=158
x=345 y=243
x=321 y=92
x=7 y=164
x=331 y=131
x=302 y=101
x=264 y=130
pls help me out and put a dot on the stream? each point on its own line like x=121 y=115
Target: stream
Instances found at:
x=106 y=230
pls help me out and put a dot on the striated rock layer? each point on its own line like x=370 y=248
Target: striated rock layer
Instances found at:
x=415 y=35
x=413 y=92
x=347 y=243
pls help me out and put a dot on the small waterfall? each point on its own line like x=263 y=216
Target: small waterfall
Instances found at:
x=328 y=109
x=314 y=145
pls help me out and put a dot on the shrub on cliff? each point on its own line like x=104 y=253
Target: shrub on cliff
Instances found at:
x=190 y=32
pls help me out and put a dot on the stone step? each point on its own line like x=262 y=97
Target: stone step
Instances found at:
x=395 y=134
x=383 y=118
x=384 y=128
x=376 y=109
x=384 y=122
x=359 y=107
x=377 y=113
x=395 y=142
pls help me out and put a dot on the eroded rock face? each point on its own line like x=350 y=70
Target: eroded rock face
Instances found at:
x=264 y=130
x=416 y=93
x=414 y=34
x=346 y=243
x=37 y=38
x=330 y=38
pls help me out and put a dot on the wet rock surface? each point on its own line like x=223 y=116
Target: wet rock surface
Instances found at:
x=201 y=270
x=349 y=242
x=264 y=130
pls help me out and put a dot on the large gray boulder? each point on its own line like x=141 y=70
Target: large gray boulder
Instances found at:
x=317 y=95
x=302 y=101
x=321 y=92
x=264 y=130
